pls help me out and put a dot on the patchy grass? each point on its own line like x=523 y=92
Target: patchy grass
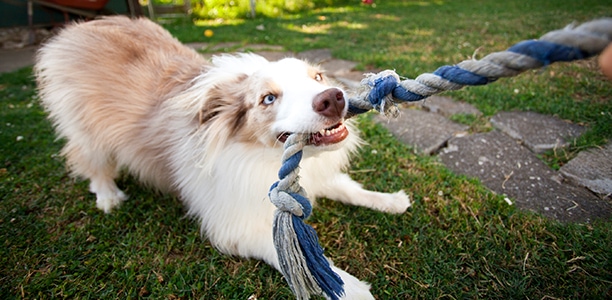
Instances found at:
x=457 y=241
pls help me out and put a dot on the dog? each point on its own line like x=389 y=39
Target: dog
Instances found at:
x=124 y=94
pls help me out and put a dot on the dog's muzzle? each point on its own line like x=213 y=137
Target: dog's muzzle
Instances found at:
x=330 y=104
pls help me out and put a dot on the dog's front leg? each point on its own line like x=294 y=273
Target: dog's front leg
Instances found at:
x=344 y=189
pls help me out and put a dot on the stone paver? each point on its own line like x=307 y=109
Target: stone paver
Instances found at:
x=592 y=169
x=425 y=131
x=540 y=133
x=338 y=67
x=233 y=47
x=341 y=70
x=275 y=55
x=508 y=168
x=14 y=59
x=315 y=56
x=448 y=107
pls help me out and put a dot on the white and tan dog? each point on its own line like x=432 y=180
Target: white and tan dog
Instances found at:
x=125 y=94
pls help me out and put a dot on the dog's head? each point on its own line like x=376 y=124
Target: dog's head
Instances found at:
x=251 y=100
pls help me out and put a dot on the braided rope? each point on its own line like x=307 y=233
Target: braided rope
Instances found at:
x=567 y=44
x=305 y=268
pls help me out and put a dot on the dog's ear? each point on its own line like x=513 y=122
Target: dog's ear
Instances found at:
x=205 y=114
x=227 y=99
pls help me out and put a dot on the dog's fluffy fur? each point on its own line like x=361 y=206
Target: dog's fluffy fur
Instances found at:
x=125 y=94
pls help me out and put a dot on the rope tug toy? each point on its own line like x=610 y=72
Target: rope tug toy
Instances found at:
x=307 y=271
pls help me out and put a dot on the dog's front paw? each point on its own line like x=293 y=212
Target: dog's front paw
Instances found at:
x=353 y=287
x=396 y=203
x=357 y=291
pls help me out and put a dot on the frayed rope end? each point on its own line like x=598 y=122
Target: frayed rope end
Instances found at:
x=307 y=271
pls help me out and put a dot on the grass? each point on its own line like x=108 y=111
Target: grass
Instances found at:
x=458 y=240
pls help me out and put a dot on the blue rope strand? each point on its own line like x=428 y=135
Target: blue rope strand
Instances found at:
x=305 y=203
x=328 y=281
x=547 y=52
x=401 y=93
x=460 y=76
x=291 y=164
x=382 y=87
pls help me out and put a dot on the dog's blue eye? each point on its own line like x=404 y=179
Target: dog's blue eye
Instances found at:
x=269 y=99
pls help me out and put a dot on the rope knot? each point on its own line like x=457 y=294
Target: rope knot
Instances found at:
x=295 y=203
x=377 y=93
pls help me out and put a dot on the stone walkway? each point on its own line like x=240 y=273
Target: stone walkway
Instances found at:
x=504 y=159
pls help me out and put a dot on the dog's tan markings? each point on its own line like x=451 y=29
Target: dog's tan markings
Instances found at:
x=178 y=76
x=226 y=105
x=218 y=100
x=240 y=115
x=207 y=113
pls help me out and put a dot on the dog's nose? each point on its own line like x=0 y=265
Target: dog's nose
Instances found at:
x=329 y=103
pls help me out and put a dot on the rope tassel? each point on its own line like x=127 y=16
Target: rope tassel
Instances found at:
x=307 y=271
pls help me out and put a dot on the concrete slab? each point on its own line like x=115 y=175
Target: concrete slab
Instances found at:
x=540 y=133
x=338 y=67
x=316 y=56
x=508 y=168
x=218 y=47
x=198 y=46
x=351 y=80
x=15 y=59
x=425 y=131
x=447 y=106
x=275 y=55
x=592 y=169
x=262 y=47
x=270 y=52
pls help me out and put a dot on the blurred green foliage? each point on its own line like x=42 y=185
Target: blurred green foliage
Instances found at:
x=239 y=9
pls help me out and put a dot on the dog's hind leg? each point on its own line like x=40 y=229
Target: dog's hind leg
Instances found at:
x=101 y=169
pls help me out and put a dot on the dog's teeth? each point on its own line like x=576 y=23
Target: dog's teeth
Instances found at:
x=328 y=132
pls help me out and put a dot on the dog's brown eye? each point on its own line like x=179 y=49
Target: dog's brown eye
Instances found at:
x=268 y=99
x=318 y=77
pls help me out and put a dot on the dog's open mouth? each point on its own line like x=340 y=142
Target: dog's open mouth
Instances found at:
x=328 y=136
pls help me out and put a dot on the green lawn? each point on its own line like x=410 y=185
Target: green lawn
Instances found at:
x=458 y=240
